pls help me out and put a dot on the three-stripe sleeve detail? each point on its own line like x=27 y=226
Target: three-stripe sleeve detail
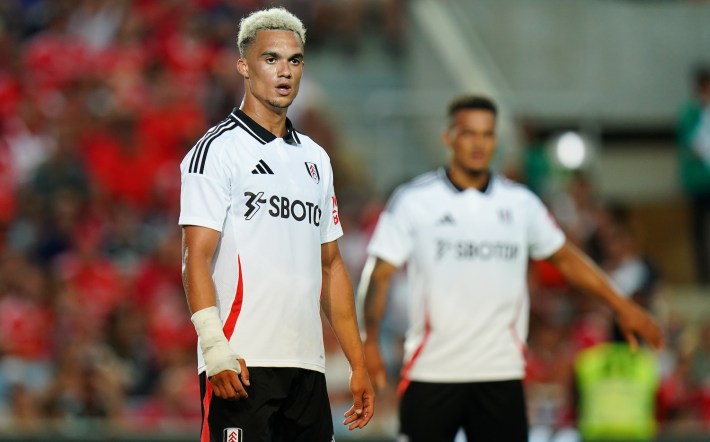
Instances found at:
x=199 y=156
x=198 y=148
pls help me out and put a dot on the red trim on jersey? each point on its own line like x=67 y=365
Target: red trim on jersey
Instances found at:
x=406 y=370
x=205 y=433
x=513 y=331
x=231 y=321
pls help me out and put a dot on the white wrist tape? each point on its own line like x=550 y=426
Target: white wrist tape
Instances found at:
x=215 y=348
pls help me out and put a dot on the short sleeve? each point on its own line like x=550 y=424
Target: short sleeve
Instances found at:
x=544 y=235
x=330 y=227
x=393 y=239
x=204 y=193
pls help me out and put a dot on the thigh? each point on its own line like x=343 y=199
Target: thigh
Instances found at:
x=252 y=419
x=430 y=412
x=496 y=411
x=305 y=414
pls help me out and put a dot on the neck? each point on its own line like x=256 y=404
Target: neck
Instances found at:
x=466 y=179
x=268 y=117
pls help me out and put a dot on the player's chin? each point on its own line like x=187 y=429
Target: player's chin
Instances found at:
x=281 y=102
x=476 y=170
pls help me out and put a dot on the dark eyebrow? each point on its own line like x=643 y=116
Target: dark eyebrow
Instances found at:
x=276 y=55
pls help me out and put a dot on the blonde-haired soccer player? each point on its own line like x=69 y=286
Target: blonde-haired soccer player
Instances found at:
x=260 y=257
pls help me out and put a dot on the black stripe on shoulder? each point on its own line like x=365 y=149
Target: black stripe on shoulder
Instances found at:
x=226 y=128
x=194 y=161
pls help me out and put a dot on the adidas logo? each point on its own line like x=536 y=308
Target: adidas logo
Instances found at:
x=447 y=219
x=262 y=169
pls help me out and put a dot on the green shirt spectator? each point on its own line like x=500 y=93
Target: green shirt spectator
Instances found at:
x=617 y=390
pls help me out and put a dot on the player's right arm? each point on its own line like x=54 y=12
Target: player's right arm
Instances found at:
x=224 y=368
x=377 y=278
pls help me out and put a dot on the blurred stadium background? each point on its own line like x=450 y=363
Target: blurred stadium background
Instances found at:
x=100 y=99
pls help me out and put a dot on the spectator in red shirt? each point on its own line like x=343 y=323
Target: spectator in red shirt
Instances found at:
x=26 y=326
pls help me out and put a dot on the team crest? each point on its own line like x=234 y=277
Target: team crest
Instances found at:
x=232 y=435
x=313 y=171
x=505 y=216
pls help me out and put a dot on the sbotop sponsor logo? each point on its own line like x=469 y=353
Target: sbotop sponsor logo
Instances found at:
x=482 y=250
x=282 y=207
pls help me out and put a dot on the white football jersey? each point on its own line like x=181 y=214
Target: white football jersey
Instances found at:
x=466 y=254
x=272 y=199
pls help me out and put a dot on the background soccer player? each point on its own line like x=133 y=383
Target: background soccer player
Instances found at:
x=466 y=235
x=260 y=260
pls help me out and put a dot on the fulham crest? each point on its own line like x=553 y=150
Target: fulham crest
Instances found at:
x=313 y=171
x=232 y=435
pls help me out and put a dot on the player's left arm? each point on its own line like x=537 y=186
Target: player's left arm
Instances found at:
x=579 y=270
x=338 y=306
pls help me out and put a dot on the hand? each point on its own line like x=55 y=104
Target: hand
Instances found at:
x=363 y=400
x=228 y=384
x=375 y=365
x=633 y=321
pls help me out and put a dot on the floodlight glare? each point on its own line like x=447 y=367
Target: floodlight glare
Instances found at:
x=571 y=150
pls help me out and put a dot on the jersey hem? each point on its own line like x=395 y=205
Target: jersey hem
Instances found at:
x=468 y=377
x=291 y=364
x=280 y=364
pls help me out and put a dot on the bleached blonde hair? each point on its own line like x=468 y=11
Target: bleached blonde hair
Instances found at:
x=273 y=19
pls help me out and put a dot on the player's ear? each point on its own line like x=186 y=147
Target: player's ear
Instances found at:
x=243 y=68
x=446 y=136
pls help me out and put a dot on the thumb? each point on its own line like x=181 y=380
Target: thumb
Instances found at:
x=380 y=380
x=357 y=404
x=245 y=372
x=631 y=339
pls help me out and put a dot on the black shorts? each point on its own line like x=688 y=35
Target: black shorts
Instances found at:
x=284 y=405
x=487 y=411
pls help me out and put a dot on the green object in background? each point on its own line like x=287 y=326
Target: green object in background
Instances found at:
x=617 y=392
x=537 y=168
x=694 y=173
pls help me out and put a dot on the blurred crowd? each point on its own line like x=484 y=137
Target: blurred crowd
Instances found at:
x=564 y=322
x=99 y=101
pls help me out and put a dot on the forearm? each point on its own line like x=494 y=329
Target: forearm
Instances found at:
x=198 y=284
x=338 y=305
x=377 y=288
x=582 y=273
x=198 y=247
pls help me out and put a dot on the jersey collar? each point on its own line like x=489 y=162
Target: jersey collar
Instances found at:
x=260 y=133
x=444 y=174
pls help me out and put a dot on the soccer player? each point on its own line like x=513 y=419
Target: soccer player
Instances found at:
x=260 y=258
x=465 y=235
